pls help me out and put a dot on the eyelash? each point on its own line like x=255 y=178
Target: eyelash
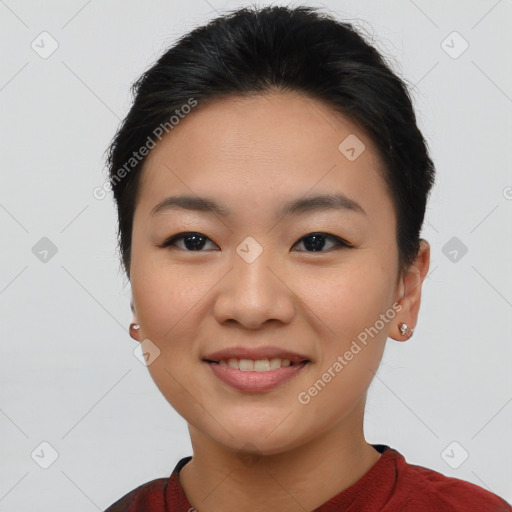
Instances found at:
x=339 y=241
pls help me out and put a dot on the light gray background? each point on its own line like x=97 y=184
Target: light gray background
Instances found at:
x=68 y=373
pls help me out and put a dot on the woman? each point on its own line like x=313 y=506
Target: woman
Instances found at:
x=271 y=185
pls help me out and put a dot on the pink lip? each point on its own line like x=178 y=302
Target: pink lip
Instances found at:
x=255 y=381
x=254 y=354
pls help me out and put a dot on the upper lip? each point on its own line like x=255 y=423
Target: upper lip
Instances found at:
x=254 y=354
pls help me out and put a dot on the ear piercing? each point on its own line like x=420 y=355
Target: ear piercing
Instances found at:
x=404 y=328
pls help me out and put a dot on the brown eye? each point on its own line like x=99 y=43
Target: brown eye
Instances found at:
x=316 y=242
x=313 y=242
x=193 y=242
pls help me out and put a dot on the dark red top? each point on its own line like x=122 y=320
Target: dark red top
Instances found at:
x=390 y=485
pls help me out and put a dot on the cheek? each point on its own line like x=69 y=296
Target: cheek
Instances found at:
x=176 y=385
x=168 y=303
x=347 y=299
x=163 y=297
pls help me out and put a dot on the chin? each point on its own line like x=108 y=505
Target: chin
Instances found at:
x=259 y=440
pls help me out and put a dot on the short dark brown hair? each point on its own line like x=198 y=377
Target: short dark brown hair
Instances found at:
x=257 y=50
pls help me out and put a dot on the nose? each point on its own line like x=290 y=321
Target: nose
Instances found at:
x=255 y=292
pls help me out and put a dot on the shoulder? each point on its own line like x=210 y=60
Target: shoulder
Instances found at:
x=148 y=496
x=425 y=489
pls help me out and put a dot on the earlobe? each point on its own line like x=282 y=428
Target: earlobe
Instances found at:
x=409 y=294
x=134 y=331
x=134 y=327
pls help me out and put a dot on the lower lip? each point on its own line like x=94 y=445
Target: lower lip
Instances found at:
x=255 y=381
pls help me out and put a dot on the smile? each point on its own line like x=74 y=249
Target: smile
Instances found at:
x=255 y=375
x=258 y=365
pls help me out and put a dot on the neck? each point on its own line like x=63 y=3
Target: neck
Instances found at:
x=299 y=479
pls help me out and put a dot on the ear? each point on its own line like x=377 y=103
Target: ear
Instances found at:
x=408 y=293
x=134 y=331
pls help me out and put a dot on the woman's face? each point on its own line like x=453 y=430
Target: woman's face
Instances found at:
x=255 y=279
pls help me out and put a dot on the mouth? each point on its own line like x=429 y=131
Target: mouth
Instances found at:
x=257 y=365
x=251 y=376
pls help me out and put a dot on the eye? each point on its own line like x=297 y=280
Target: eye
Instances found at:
x=316 y=241
x=195 y=242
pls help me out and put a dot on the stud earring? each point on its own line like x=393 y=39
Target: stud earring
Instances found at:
x=134 y=329
x=404 y=328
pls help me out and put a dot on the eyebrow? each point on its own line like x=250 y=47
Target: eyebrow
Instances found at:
x=294 y=207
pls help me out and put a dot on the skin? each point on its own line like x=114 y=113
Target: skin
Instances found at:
x=266 y=450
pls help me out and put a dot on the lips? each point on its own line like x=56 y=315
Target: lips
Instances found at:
x=255 y=381
x=259 y=380
x=255 y=353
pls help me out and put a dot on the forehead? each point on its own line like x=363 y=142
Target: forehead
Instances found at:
x=263 y=148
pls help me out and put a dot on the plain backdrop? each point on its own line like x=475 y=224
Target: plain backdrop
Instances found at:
x=74 y=397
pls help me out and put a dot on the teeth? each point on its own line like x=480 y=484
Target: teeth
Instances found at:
x=245 y=364
x=260 y=365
